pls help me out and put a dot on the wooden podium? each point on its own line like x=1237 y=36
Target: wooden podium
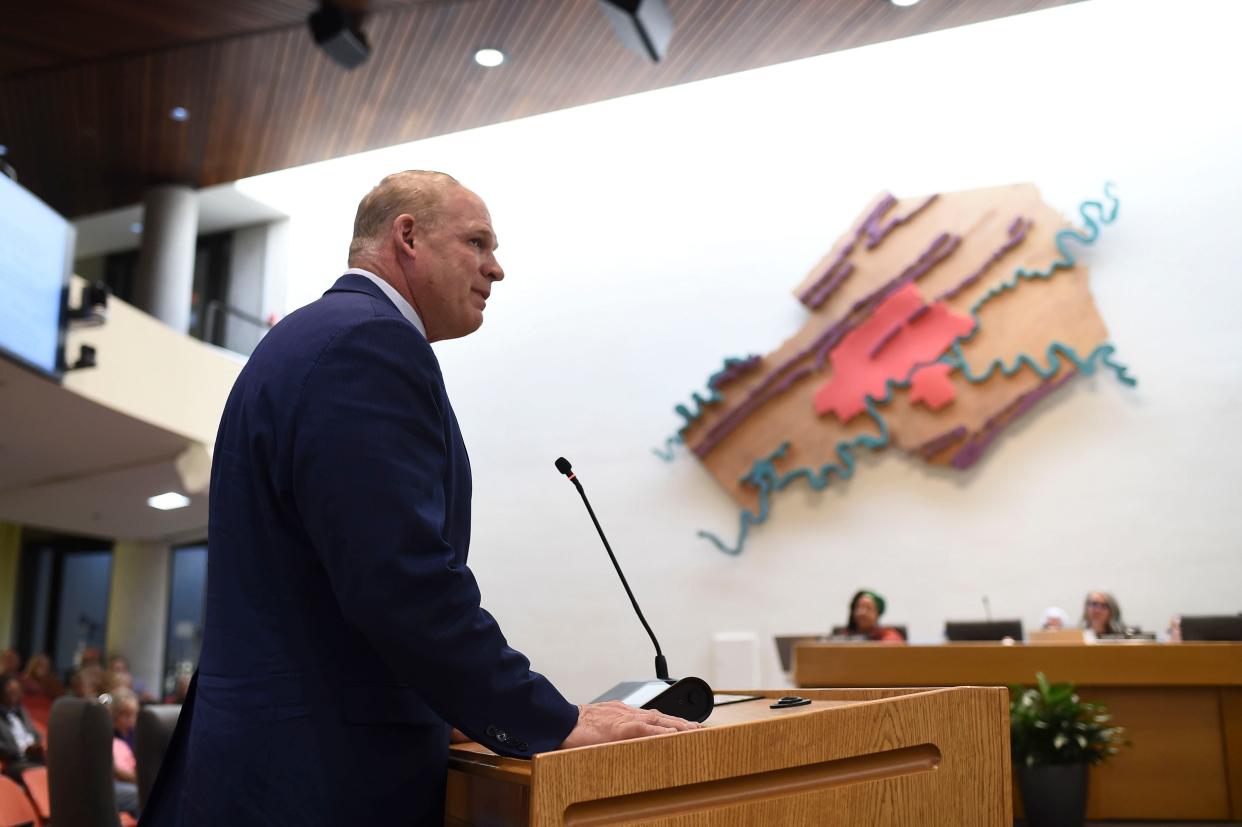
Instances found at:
x=1181 y=705
x=853 y=756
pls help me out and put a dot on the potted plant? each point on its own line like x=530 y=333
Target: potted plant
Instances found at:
x=1055 y=737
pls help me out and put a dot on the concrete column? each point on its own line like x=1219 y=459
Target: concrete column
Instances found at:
x=138 y=608
x=257 y=272
x=10 y=552
x=165 y=278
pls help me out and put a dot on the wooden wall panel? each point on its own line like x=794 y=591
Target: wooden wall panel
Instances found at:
x=85 y=88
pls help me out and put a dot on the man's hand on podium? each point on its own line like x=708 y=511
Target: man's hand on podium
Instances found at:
x=614 y=721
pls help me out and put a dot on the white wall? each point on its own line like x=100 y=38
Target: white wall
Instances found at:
x=649 y=237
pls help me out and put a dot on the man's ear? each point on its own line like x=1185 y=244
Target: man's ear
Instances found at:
x=403 y=228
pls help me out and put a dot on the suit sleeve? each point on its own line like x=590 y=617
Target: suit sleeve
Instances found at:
x=369 y=459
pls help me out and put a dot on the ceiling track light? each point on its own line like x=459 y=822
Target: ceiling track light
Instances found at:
x=644 y=26
x=339 y=34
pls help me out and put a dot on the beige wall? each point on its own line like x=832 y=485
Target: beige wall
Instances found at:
x=150 y=372
x=10 y=551
x=138 y=607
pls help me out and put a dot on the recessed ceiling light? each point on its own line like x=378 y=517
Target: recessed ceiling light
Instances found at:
x=168 y=501
x=903 y=3
x=489 y=57
x=136 y=227
x=4 y=150
x=179 y=113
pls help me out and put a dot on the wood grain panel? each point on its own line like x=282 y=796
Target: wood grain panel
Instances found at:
x=984 y=664
x=852 y=757
x=88 y=136
x=1181 y=705
x=1231 y=714
x=1176 y=766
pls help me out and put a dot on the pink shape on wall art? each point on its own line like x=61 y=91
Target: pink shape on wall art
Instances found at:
x=901 y=333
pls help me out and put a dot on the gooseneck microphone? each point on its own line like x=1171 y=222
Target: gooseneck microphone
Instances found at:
x=689 y=698
x=661 y=666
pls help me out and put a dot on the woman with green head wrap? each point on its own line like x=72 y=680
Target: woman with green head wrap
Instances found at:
x=866 y=608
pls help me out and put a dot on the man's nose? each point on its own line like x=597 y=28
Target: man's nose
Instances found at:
x=493 y=270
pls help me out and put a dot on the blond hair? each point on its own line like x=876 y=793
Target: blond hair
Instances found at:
x=414 y=192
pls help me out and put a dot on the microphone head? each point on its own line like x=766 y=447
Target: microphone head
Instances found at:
x=563 y=465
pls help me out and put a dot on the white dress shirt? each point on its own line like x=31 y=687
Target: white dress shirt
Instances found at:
x=396 y=298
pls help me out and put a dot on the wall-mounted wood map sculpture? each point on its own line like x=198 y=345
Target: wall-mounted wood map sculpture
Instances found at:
x=933 y=324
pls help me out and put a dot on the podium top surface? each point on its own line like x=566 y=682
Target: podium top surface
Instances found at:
x=1120 y=663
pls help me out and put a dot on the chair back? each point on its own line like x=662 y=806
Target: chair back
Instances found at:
x=15 y=807
x=35 y=779
x=151 y=736
x=79 y=764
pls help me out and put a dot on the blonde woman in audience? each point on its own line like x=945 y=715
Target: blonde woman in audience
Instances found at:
x=1101 y=615
x=123 y=704
x=40 y=679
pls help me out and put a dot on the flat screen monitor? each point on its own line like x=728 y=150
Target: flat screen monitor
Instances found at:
x=785 y=647
x=36 y=258
x=982 y=629
x=1212 y=627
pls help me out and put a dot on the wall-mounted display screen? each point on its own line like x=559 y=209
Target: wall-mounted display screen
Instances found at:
x=36 y=259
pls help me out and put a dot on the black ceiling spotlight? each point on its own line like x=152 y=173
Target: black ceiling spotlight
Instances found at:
x=339 y=34
x=644 y=26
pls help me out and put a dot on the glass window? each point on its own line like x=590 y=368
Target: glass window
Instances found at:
x=185 y=612
x=82 y=606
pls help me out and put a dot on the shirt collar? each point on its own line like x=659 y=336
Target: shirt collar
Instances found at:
x=405 y=308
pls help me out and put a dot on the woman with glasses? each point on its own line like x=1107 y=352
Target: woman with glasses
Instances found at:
x=1102 y=615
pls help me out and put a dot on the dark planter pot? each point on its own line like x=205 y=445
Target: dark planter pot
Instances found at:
x=1055 y=795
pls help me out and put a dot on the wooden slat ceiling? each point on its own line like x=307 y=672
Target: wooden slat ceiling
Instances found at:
x=84 y=105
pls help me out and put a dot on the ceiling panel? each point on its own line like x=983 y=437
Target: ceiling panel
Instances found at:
x=70 y=464
x=89 y=136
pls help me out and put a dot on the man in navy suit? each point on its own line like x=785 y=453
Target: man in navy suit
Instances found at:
x=344 y=632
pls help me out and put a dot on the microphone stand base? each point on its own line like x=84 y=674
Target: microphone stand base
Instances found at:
x=689 y=698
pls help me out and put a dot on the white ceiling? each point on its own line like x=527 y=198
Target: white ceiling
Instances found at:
x=69 y=464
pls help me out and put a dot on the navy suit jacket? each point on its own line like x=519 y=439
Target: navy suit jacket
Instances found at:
x=343 y=629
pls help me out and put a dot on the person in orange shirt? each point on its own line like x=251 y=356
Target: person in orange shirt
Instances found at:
x=866 y=608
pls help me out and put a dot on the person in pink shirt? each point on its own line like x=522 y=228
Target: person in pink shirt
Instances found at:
x=124 y=706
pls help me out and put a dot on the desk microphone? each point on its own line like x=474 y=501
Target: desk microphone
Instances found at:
x=689 y=698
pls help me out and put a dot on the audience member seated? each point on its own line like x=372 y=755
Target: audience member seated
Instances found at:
x=118 y=666
x=40 y=679
x=111 y=681
x=21 y=747
x=181 y=688
x=40 y=687
x=1175 y=629
x=10 y=662
x=86 y=682
x=866 y=608
x=1101 y=615
x=90 y=657
x=1054 y=619
x=124 y=707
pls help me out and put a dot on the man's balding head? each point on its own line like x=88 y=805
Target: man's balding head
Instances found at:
x=415 y=192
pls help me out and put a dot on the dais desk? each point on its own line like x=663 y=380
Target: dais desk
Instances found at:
x=1181 y=704
x=876 y=757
